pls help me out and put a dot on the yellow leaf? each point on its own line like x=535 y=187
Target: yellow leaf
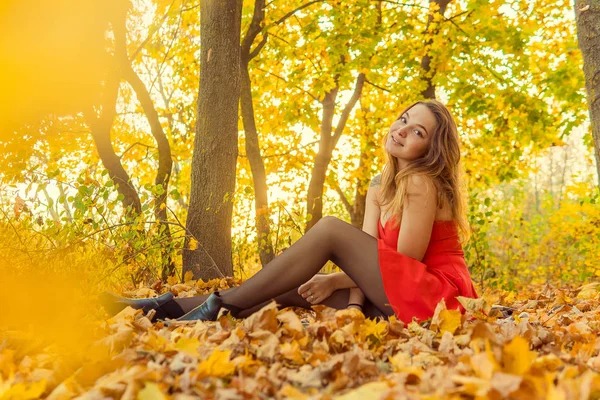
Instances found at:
x=378 y=329
x=291 y=351
x=291 y=324
x=22 y=390
x=479 y=307
x=402 y=362
x=188 y=276
x=348 y=315
x=188 y=345
x=450 y=321
x=372 y=390
x=589 y=291
x=217 y=365
x=151 y=392
x=290 y=392
x=472 y=385
x=246 y=364
x=435 y=320
x=193 y=244
x=506 y=383
x=517 y=357
x=510 y=298
x=484 y=364
x=549 y=362
x=172 y=280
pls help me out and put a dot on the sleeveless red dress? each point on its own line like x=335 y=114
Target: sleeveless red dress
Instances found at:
x=414 y=288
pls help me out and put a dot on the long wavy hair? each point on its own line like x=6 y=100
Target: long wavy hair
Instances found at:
x=441 y=163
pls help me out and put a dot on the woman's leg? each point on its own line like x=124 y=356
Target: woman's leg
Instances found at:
x=337 y=300
x=351 y=249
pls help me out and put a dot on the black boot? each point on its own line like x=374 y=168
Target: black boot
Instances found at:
x=114 y=304
x=209 y=310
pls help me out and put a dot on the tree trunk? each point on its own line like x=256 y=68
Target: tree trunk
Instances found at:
x=165 y=161
x=259 y=176
x=216 y=141
x=428 y=74
x=100 y=128
x=314 y=204
x=587 y=15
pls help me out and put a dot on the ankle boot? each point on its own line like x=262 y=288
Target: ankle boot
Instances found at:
x=114 y=304
x=209 y=310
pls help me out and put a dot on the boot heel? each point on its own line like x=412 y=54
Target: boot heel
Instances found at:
x=210 y=309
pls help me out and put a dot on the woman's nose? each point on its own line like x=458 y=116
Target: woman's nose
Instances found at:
x=402 y=132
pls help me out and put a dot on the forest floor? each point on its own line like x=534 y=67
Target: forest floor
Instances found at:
x=547 y=349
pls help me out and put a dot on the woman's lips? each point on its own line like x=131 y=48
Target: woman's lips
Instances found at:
x=396 y=141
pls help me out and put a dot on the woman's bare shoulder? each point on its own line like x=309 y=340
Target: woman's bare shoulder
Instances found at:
x=421 y=185
x=376 y=181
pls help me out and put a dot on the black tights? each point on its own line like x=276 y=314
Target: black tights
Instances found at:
x=337 y=300
x=351 y=249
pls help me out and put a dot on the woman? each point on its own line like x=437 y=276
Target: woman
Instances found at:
x=406 y=259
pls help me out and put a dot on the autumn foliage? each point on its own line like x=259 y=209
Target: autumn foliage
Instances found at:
x=546 y=349
x=98 y=115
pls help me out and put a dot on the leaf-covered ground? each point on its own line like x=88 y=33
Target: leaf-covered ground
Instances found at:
x=548 y=349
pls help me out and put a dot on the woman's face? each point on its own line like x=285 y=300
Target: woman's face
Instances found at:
x=410 y=135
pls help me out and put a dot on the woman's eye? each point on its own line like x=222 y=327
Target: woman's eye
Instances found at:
x=418 y=133
x=403 y=120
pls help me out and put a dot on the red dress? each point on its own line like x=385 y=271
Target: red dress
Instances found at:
x=414 y=288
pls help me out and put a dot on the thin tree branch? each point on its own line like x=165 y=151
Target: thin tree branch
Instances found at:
x=303 y=6
x=254 y=28
x=286 y=81
x=403 y=4
x=334 y=183
x=259 y=47
x=339 y=129
x=377 y=86
x=152 y=32
x=136 y=144
x=190 y=7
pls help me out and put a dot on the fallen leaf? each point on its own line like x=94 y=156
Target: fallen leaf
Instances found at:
x=151 y=391
x=188 y=345
x=516 y=356
x=217 y=365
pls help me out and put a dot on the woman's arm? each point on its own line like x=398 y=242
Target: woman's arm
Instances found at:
x=370 y=226
x=418 y=215
x=372 y=209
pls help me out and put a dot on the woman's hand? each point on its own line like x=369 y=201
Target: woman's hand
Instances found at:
x=318 y=288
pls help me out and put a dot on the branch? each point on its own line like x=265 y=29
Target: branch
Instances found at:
x=168 y=50
x=339 y=129
x=258 y=48
x=254 y=29
x=377 y=86
x=303 y=6
x=403 y=4
x=152 y=32
x=334 y=183
x=286 y=81
x=164 y=149
x=136 y=144
x=190 y=7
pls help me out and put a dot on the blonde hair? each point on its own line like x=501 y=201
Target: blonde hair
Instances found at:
x=441 y=163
